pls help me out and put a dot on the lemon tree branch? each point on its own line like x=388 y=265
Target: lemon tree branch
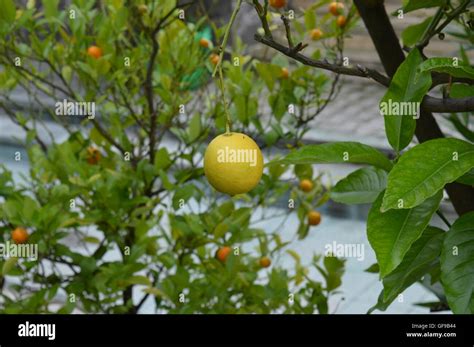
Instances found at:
x=431 y=104
x=358 y=71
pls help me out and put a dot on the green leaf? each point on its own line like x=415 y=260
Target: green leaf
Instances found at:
x=310 y=19
x=266 y=74
x=182 y=195
x=143 y=280
x=278 y=105
x=302 y=231
x=335 y=269
x=457 y=265
x=91 y=239
x=391 y=234
x=338 y=152
x=162 y=159
x=294 y=255
x=360 y=187
x=412 y=5
x=400 y=105
x=50 y=8
x=156 y=292
x=467 y=179
x=220 y=230
x=448 y=65
x=467 y=133
x=419 y=260
x=459 y=90
x=380 y=305
x=194 y=129
x=8 y=11
x=66 y=71
x=373 y=269
x=464 y=56
x=413 y=34
x=425 y=169
x=9 y=265
x=303 y=171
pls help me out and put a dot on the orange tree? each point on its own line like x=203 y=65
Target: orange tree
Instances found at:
x=404 y=192
x=116 y=201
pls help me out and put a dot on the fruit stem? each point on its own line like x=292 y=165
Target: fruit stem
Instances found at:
x=218 y=67
x=228 y=121
x=226 y=37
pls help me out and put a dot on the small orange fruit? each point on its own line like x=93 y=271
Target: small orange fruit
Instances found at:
x=223 y=253
x=93 y=155
x=285 y=73
x=265 y=262
x=314 y=218
x=94 y=52
x=306 y=185
x=19 y=235
x=204 y=43
x=336 y=8
x=341 y=21
x=214 y=58
x=277 y=3
x=316 y=34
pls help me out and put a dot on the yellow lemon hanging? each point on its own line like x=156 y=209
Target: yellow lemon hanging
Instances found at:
x=233 y=163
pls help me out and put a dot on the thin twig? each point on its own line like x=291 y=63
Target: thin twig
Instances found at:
x=358 y=71
x=443 y=218
x=449 y=18
x=262 y=15
x=286 y=22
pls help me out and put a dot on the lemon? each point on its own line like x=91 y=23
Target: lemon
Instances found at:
x=233 y=163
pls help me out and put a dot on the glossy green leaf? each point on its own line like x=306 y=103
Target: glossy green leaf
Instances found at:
x=360 y=187
x=412 y=5
x=143 y=280
x=8 y=11
x=338 y=152
x=457 y=265
x=400 y=105
x=463 y=129
x=425 y=169
x=459 y=90
x=50 y=8
x=162 y=159
x=391 y=234
x=413 y=34
x=9 y=264
x=310 y=19
x=452 y=66
x=419 y=260
x=182 y=195
x=467 y=178
x=194 y=129
x=267 y=73
x=303 y=171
